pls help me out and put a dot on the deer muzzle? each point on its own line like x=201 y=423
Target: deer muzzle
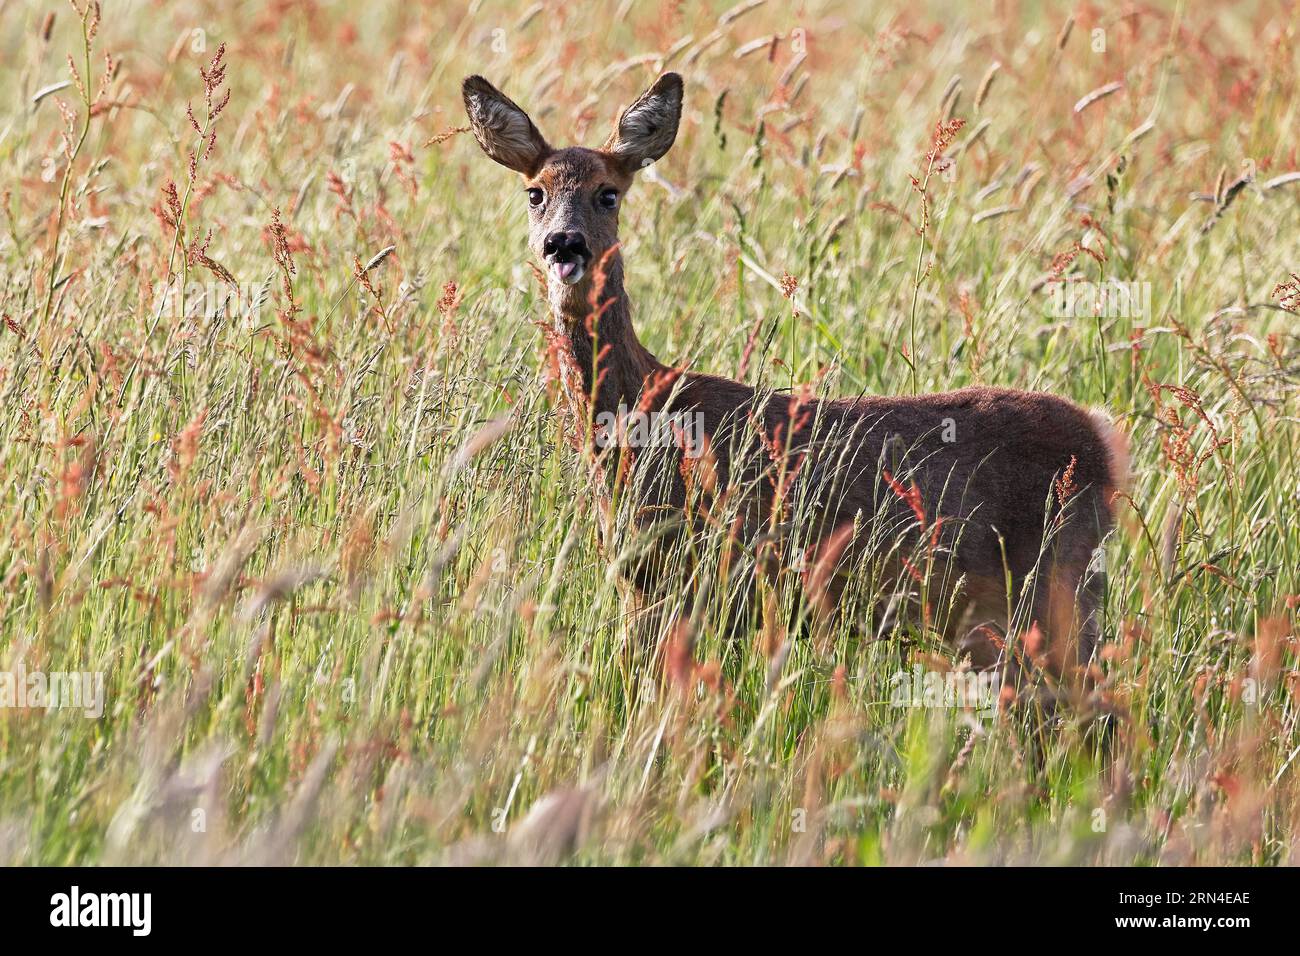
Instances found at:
x=567 y=256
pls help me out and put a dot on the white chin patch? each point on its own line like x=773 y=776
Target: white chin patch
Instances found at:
x=567 y=272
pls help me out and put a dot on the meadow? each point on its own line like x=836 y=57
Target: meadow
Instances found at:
x=285 y=461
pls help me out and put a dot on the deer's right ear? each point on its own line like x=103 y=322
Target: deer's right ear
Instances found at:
x=503 y=130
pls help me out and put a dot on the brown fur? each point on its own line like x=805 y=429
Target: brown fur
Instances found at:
x=997 y=486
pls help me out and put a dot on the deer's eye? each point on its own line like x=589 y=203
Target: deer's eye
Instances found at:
x=535 y=196
x=607 y=198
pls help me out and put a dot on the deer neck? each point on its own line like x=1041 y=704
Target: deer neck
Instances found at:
x=613 y=363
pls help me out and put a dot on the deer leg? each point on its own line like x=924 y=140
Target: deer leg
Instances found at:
x=987 y=638
x=1068 y=604
x=982 y=634
x=953 y=618
x=1091 y=603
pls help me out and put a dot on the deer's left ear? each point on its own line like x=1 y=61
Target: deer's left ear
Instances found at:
x=647 y=128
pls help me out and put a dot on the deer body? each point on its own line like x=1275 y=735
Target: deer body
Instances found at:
x=971 y=472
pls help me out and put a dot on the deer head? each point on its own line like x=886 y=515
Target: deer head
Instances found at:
x=574 y=193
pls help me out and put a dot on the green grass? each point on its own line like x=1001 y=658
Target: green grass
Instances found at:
x=325 y=642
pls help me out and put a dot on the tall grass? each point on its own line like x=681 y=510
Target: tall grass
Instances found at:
x=310 y=508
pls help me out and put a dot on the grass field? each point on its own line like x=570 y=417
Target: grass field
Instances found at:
x=316 y=521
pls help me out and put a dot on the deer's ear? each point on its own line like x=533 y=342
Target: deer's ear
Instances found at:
x=503 y=129
x=647 y=128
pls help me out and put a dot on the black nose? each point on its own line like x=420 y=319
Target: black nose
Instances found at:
x=566 y=245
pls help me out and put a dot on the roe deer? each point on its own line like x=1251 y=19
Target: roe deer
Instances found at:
x=1011 y=490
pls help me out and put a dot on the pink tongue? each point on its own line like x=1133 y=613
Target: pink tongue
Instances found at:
x=565 y=268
